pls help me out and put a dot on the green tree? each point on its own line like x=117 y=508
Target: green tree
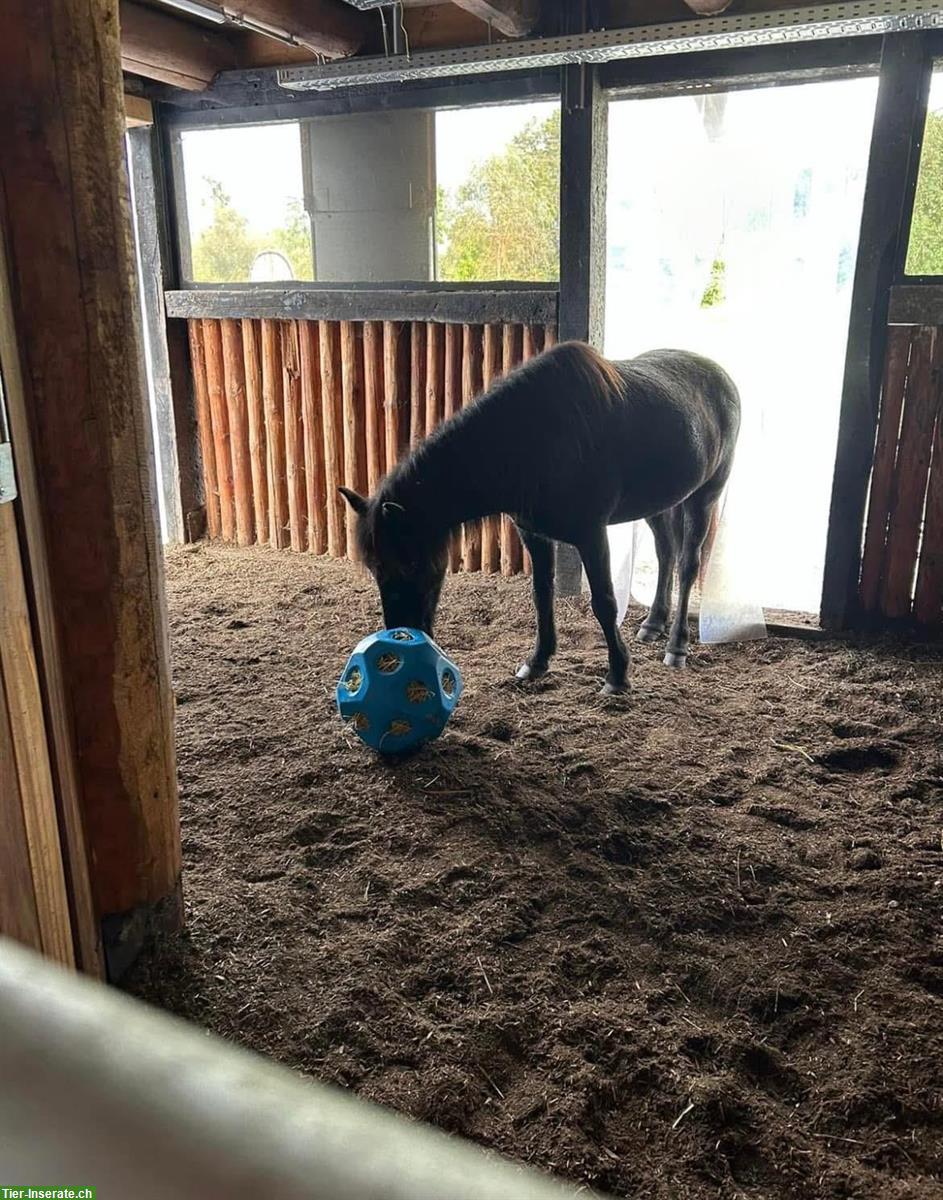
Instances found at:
x=925 y=250
x=224 y=251
x=504 y=222
x=715 y=293
x=293 y=239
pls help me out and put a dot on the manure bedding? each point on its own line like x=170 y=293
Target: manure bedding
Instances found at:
x=682 y=944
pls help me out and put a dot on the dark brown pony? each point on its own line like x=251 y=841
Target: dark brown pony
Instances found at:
x=567 y=445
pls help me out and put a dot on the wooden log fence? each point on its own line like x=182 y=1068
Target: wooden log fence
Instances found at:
x=288 y=410
x=902 y=561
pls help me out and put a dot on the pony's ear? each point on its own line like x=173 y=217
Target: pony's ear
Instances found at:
x=356 y=502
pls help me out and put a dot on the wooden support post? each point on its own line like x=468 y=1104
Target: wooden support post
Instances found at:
x=396 y=390
x=417 y=384
x=237 y=410
x=373 y=401
x=205 y=428
x=312 y=418
x=491 y=370
x=67 y=228
x=583 y=145
x=219 y=418
x=511 y=550
x=273 y=403
x=452 y=402
x=896 y=138
x=471 y=388
x=333 y=413
x=435 y=374
x=158 y=45
x=928 y=594
x=294 y=437
x=355 y=443
x=258 y=454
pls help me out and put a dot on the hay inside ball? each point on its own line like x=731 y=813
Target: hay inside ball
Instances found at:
x=398 y=690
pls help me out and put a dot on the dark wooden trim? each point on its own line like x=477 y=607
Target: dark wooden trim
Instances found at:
x=757 y=66
x=584 y=132
x=254 y=97
x=898 y=125
x=529 y=306
x=916 y=304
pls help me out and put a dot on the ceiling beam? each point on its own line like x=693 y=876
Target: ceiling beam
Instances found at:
x=516 y=18
x=325 y=26
x=159 y=46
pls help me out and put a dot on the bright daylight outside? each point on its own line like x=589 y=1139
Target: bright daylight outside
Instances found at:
x=732 y=231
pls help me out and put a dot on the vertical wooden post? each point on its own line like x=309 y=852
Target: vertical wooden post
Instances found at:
x=258 y=453
x=66 y=224
x=417 y=384
x=452 y=402
x=511 y=550
x=928 y=593
x=237 y=410
x=313 y=435
x=435 y=374
x=333 y=416
x=355 y=445
x=583 y=150
x=491 y=370
x=219 y=414
x=373 y=401
x=896 y=136
x=396 y=385
x=294 y=437
x=205 y=426
x=272 y=400
x=471 y=387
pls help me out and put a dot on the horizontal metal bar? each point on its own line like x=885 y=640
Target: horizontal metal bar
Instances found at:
x=916 y=304
x=527 y=306
x=99 y=1089
x=731 y=30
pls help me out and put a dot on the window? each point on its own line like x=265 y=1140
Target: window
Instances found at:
x=469 y=195
x=925 y=247
x=245 y=205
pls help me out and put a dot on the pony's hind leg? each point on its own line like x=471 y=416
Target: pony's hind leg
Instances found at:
x=595 y=555
x=541 y=554
x=697 y=518
x=654 y=625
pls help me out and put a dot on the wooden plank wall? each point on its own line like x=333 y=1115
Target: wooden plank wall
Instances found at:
x=288 y=410
x=902 y=560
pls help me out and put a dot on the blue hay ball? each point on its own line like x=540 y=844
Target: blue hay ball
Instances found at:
x=398 y=690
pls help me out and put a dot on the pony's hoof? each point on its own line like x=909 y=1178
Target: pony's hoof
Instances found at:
x=527 y=673
x=675 y=660
x=614 y=689
x=647 y=633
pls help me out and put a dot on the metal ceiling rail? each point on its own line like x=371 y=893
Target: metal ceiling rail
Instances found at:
x=858 y=18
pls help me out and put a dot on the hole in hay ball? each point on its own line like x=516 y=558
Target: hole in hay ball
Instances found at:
x=399 y=728
x=417 y=692
x=354 y=680
x=402 y=635
x=448 y=683
x=360 y=722
x=388 y=663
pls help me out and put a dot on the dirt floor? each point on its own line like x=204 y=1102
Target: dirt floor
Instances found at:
x=682 y=944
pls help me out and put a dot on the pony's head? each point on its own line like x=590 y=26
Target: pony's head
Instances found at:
x=408 y=570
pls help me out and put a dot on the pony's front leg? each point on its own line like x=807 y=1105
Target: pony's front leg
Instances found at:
x=595 y=555
x=541 y=554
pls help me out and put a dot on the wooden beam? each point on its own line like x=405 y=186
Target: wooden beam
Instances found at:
x=137 y=111
x=516 y=18
x=159 y=46
x=67 y=229
x=328 y=27
x=899 y=118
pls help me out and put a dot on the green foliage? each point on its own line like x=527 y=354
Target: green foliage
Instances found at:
x=225 y=251
x=504 y=222
x=925 y=251
x=715 y=293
